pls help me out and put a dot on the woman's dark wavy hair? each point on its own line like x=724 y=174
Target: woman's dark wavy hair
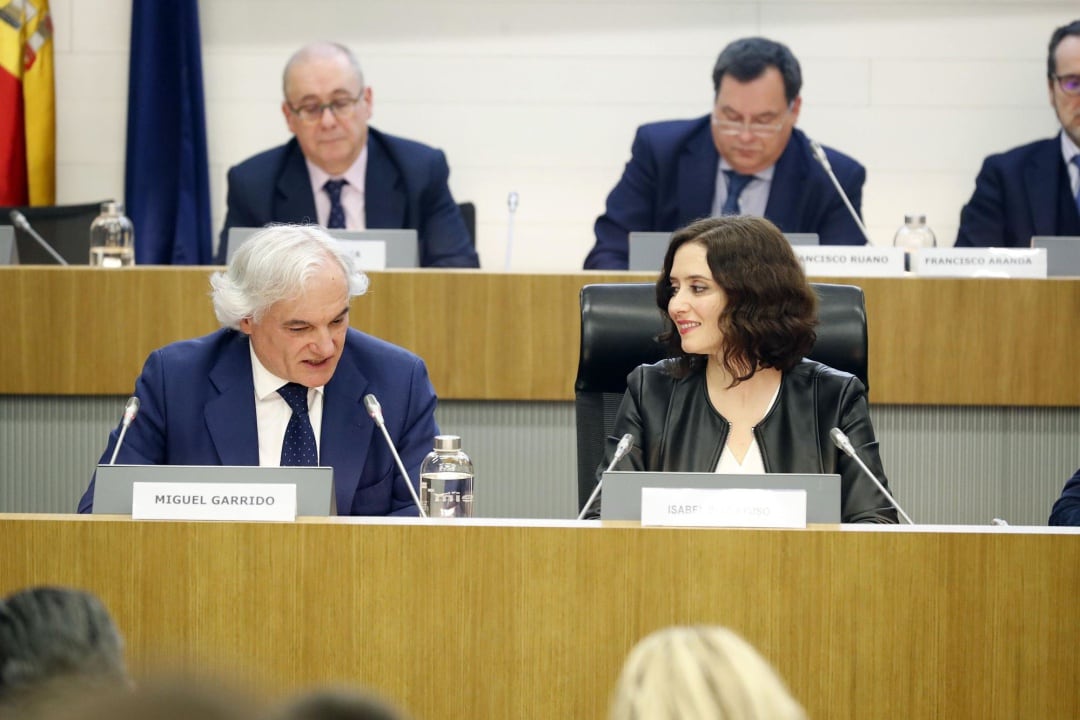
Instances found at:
x=771 y=310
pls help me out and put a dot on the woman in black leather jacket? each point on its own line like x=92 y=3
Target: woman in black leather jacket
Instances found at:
x=736 y=394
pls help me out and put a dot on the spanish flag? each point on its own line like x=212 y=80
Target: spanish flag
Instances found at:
x=27 y=104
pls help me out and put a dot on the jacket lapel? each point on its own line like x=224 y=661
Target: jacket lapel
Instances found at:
x=384 y=194
x=294 y=201
x=1043 y=188
x=230 y=416
x=788 y=184
x=697 y=176
x=346 y=430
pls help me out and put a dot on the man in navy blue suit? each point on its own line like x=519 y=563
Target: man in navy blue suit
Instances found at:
x=283 y=381
x=1034 y=189
x=339 y=172
x=745 y=157
x=1066 y=510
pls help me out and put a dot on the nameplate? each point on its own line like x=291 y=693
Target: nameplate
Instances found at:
x=723 y=507
x=851 y=260
x=366 y=254
x=213 y=501
x=980 y=262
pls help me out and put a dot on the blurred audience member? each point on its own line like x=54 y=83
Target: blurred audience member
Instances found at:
x=700 y=673
x=53 y=638
x=173 y=700
x=338 y=705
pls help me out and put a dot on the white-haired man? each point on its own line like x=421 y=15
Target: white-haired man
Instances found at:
x=283 y=381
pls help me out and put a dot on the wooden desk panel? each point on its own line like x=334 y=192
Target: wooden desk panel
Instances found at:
x=480 y=621
x=495 y=336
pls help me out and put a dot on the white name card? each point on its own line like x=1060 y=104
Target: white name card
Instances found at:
x=715 y=507
x=367 y=254
x=980 y=262
x=213 y=501
x=851 y=260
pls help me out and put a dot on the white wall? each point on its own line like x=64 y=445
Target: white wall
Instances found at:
x=543 y=97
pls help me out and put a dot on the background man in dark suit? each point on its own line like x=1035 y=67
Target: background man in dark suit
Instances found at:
x=746 y=157
x=1034 y=189
x=339 y=172
x=283 y=381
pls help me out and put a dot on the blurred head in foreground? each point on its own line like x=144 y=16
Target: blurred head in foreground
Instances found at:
x=53 y=637
x=700 y=673
x=338 y=704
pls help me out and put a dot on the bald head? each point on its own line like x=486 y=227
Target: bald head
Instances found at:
x=320 y=51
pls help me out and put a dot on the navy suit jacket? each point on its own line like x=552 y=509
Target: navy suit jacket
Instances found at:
x=405 y=186
x=1067 y=508
x=670 y=181
x=1019 y=194
x=198 y=408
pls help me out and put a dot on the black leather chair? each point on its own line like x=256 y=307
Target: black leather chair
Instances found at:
x=65 y=227
x=619 y=325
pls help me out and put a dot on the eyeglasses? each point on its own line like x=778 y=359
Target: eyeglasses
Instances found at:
x=1069 y=84
x=312 y=112
x=734 y=127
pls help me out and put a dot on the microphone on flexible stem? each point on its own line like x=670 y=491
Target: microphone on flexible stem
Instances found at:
x=131 y=409
x=375 y=411
x=511 y=206
x=625 y=443
x=20 y=221
x=841 y=441
x=821 y=157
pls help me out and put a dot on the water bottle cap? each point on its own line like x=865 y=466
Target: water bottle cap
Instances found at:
x=448 y=442
x=915 y=218
x=112 y=207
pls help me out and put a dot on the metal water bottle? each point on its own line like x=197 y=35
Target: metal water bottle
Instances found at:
x=446 y=479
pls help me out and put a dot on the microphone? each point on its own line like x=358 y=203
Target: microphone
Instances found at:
x=20 y=221
x=511 y=206
x=819 y=155
x=841 y=441
x=375 y=411
x=131 y=409
x=625 y=443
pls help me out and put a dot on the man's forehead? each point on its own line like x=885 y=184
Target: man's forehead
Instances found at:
x=322 y=74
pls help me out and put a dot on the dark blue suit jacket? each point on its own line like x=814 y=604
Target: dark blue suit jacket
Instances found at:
x=198 y=408
x=1019 y=194
x=1067 y=509
x=671 y=181
x=405 y=186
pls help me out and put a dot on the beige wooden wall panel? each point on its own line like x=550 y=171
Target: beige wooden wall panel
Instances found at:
x=534 y=622
x=497 y=336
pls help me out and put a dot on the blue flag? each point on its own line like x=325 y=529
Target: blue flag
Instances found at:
x=167 y=183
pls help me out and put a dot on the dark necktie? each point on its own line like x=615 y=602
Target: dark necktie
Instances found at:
x=337 y=212
x=736 y=183
x=298 y=447
x=1076 y=162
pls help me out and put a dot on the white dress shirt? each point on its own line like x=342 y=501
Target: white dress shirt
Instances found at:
x=753 y=198
x=272 y=413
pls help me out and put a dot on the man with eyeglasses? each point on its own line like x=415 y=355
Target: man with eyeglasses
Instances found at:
x=1034 y=189
x=339 y=172
x=745 y=157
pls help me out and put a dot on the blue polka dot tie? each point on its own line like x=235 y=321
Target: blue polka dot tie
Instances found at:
x=736 y=183
x=299 y=445
x=337 y=212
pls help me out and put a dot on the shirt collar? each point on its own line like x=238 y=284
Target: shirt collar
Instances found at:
x=355 y=174
x=266 y=382
x=1069 y=149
